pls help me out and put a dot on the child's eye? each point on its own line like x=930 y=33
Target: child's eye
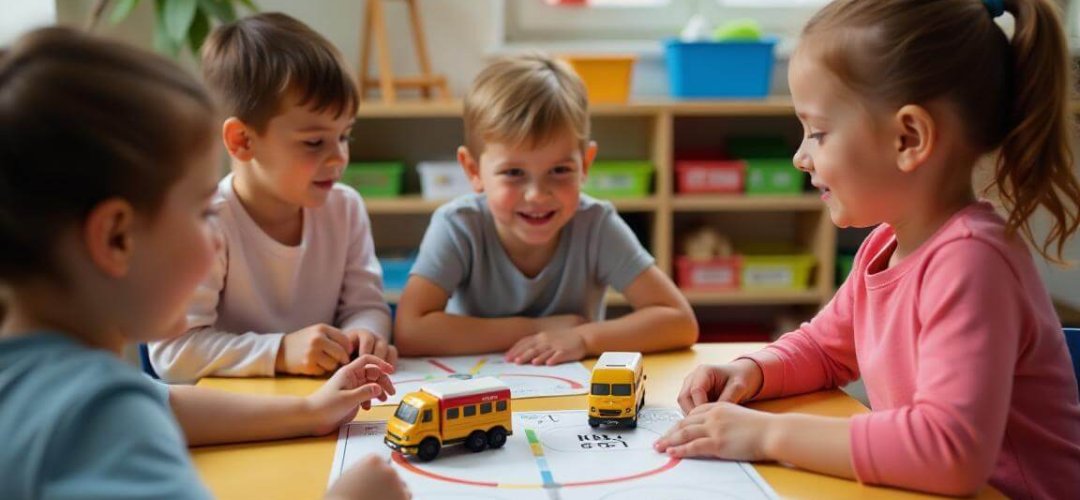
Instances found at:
x=563 y=170
x=210 y=213
x=816 y=136
x=314 y=143
x=513 y=172
x=346 y=138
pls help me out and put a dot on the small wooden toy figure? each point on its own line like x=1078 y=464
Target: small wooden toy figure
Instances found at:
x=617 y=390
x=475 y=412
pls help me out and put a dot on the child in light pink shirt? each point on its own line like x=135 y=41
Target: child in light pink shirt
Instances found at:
x=944 y=315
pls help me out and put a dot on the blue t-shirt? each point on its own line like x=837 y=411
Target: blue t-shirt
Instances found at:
x=77 y=422
x=462 y=254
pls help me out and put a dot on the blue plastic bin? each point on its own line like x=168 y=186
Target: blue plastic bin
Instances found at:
x=731 y=69
x=396 y=272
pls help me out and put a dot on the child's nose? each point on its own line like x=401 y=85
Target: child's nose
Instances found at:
x=802 y=161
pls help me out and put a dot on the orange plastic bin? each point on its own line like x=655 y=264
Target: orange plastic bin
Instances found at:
x=607 y=77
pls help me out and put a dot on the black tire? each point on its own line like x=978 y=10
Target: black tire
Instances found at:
x=496 y=438
x=429 y=449
x=477 y=441
x=632 y=424
x=594 y=423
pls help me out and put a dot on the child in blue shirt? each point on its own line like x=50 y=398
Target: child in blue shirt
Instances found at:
x=107 y=166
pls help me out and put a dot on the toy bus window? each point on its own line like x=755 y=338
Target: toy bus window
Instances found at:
x=451 y=414
x=485 y=408
x=427 y=415
x=407 y=413
x=601 y=390
x=620 y=389
x=469 y=411
x=500 y=406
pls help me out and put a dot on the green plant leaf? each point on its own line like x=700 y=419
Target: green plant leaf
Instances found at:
x=162 y=41
x=200 y=27
x=178 y=15
x=222 y=10
x=121 y=10
x=250 y=4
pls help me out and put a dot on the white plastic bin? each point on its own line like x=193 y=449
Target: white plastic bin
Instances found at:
x=442 y=180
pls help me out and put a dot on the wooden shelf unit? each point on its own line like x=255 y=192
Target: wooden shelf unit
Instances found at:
x=654 y=123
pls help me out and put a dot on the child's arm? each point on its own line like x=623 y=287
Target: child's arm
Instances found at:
x=662 y=319
x=210 y=416
x=362 y=311
x=422 y=328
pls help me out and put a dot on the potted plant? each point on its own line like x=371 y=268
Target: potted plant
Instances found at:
x=177 y=23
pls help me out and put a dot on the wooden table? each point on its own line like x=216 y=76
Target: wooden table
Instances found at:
x=299 y=468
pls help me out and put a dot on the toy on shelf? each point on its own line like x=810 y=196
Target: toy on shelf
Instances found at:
x=706 y=243
x=616 y=390
x=708 y=261
x=475 y=412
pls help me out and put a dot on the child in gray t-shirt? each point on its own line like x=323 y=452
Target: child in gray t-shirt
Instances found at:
x=523 y=265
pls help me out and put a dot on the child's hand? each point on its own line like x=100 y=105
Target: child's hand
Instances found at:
x=719 y=430
x=367 y=342
x=371 y=478
x=314 y=350
x=352 y=387
x=550 y=348
x=733 y=382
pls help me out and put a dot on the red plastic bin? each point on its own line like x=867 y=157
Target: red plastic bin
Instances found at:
x=721 y=273
x=710 y=176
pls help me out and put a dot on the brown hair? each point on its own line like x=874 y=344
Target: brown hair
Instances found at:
x=525 y=100
x=1011 y=95
x=85 y=120
x=252 y=64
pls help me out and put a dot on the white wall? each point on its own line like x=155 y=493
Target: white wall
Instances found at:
x=20 y=16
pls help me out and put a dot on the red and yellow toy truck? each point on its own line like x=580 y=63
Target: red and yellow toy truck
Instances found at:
x=475 y=412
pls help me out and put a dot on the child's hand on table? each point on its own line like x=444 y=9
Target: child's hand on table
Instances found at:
x=719 y=430
x=314 y=350
x=556 y=342
x=368 y=342
x=733 y=382
x=371 y=478
x=349 y=389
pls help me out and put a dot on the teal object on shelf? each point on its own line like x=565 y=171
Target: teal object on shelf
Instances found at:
x=731 y=69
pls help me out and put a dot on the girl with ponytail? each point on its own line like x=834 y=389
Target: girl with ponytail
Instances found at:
x=945 y=316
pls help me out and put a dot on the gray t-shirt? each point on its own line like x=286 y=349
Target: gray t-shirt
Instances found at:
x=462 y=254
x=79 y=423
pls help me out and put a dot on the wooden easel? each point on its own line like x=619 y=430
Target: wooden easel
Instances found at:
x=386 y=82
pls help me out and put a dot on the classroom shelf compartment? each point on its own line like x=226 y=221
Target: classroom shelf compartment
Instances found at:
x=742 y=203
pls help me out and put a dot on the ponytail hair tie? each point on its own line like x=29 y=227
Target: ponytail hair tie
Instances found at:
x=994 y=7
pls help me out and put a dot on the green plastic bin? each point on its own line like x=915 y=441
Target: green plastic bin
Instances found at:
x=773 y=176
x=777 y=272
x=619 y=179
x=374 y=179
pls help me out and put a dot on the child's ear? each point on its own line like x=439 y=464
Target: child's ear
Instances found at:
x=471 y=166
x=108 y=236
x=588 y=159
x=237 y=138
x=916 y=138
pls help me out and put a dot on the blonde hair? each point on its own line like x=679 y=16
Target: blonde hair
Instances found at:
x=526 y=100
x=1012 y=96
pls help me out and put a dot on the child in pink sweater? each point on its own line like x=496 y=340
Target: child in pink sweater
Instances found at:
x=944 y=316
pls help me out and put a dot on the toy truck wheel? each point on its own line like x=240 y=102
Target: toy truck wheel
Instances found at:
x=477 y=441
x=429 y=449
x=632 y=424
x=496 y=437
x=594 y=423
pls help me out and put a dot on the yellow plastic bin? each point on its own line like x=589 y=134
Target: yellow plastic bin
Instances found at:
x=606 y=77
x=777 y=272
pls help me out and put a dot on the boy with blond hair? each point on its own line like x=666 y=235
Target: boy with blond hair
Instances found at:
x=295 y=287
x=523 y=264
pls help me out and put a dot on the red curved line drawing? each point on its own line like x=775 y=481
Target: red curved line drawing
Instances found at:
x=409 y=466
x=574 y=384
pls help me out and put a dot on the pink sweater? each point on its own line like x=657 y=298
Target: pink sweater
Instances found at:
x=963 y=358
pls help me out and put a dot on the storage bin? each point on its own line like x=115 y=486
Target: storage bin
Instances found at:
x=732 y=69
x=773 y=176
x=374 y=179
x=396 y=272
x=776 y=272
x=442 y=180
x=721 y=273
x=619 y=179
x=710 y=176
x=607 y=77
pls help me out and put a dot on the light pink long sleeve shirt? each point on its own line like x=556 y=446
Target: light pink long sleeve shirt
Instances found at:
x=963 y=359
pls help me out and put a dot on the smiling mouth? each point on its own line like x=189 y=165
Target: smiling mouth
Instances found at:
x=537 y=218
x=324 y=184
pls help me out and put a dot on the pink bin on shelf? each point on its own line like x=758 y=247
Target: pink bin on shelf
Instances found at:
x=710 y=176
x=721 y=273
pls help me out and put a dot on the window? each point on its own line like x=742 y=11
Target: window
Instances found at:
x=407 y=413
x=452 y=413
x=620 y=389
x=469 y=411
x=500 y=406
x=601 y=390
x=485 y=408
x=427 y=416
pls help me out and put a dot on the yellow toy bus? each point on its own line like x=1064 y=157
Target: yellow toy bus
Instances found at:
x=616 y=390
x=475 y=412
